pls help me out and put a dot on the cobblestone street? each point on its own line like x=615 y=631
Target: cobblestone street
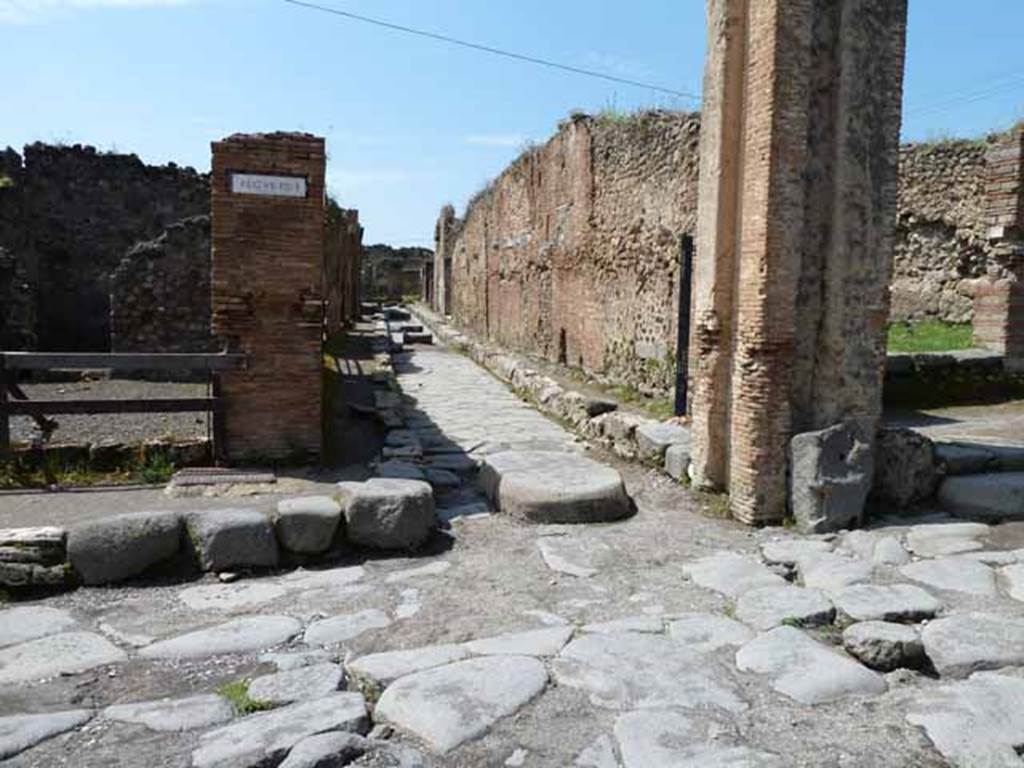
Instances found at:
x=669 y=639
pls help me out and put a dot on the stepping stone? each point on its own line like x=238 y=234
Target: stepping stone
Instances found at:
x=964 y=643
x=119 y=547
x=230 y=597
x=307 y=524
x=266 y=737
x=568 y=556
x=28 y=622
x=172 y=715
x=886 y=602
x=244 y=635
x=831 y=572
x=945 y=538
x=232 y=538
x=384 y=668
x=637 y=671
x=731 y=574
x=19 y=732
x=448 y=706
x=805 y=670
x=652 y=625
x=664 y=739
x=64 y=654
x=388 y=514
x=792 y=552
x=884 y=646
x=341 y=628
x=769 y=607
x=327 y=750
x=653 y=440
x=536 y=642
x=975 y=722
x=311 y=682
x=997 y=496
x=954 y=574
x=706 y=632
x=554 y=487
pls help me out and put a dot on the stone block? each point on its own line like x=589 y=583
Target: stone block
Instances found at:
x=307 y=524
x=992 y=497
x=232 y=538
x=652 y=440
x=906 y=471
x=387 y=513
x=116 y=548
x=831 y=477
x=677 y=461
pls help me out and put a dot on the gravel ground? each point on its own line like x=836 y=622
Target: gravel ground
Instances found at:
x=123 y=427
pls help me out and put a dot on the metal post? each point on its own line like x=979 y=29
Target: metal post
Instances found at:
x=683 y=336
x=5 y=429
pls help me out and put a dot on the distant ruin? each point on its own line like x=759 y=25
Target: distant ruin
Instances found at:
x=391 y=274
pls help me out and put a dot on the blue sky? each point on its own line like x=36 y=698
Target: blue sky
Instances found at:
x=410 y=123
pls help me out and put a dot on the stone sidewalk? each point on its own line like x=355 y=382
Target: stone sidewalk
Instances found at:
x=672 y=638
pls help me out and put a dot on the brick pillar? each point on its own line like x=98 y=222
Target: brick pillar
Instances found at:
x=796 y=212
x=268 y=248
x=999 y=298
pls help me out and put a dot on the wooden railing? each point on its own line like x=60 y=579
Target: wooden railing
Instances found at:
x=14 y=402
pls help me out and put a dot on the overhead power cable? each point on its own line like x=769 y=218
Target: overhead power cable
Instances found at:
x=492 y=50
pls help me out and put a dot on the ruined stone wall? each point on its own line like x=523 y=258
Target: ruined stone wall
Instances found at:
x=160 y=292
x=572 y=253
x=68 y=216
x=389 y=273
x=343 y=255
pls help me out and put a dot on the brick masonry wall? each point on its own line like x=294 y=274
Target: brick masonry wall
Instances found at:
x=268 y=294
x=160 y=292
x=572 y=253
x=342 y=263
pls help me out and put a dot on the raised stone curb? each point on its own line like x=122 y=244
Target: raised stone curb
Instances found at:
x=232 y=538
x=307 y=524
x=120 y=547
x=385 y=513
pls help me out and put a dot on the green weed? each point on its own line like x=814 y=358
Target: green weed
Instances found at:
x=930 y=336
x=237 y=694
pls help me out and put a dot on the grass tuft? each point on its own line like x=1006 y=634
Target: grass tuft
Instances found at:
x=237 y=694
x=930 y=336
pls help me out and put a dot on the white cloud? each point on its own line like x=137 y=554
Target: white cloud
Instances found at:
x=496 y=140
x=33 y=11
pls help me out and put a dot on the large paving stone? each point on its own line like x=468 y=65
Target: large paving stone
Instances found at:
x=307 y=524
x=653 y=440
x=886 y=602
x=448 y=706
x=792 y=552
x=638 y=671
x=768 y=607
x=832 y=472
x=668 y=739
x=64 y=654
x=265 y=738
x=19 y=732
x=964 y=643
x=333 y=749
x=1012 y=576
x=386 y=667
x=230 y=597
x=884 y=645
x=955 y=574
x=536 y=642
x=942 y=539
x=996 y=496
x=569 y=556
x=647 y=624
x=732 y=574
x=974 y=723
x=832 y=572
x=119 y=547
x=202 y=711
x=806 y=670
x=232 y=538
x=28 y=622
x=706 y=632
x=243 y=635
x=311 y=682
x=338 y=629
x=385 y=513
x=554 y=487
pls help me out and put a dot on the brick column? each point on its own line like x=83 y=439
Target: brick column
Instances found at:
x=799 y=144
x=999 y=298
x=268 y=249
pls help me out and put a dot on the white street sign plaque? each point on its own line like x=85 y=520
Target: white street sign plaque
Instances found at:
x=268 y=186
